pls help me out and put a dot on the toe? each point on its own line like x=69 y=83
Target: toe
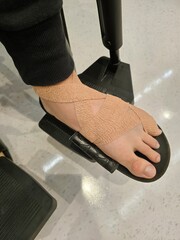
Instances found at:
x=142 y=168
x=146 y=150
x=151 y=141
x=148 y=122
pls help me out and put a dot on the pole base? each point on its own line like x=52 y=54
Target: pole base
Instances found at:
x=114 y=79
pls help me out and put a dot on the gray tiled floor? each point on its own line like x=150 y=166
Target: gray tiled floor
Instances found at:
x=93 y=204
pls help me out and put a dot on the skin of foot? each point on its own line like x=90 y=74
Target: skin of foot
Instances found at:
x=123 y=148
x=1 y=154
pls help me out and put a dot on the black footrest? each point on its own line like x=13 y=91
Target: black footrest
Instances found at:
x=76 y=142
x=61 y=133
x=105 y=77
x=24 y=205
x=94 y=152
x=114 y=79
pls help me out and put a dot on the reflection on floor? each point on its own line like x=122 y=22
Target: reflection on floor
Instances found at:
x=93 y=204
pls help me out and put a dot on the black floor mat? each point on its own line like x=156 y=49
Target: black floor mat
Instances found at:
x=24 y=205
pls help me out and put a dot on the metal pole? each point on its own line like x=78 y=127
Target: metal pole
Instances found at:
x=110 y=17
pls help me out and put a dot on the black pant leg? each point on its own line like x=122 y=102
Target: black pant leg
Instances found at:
x=39 y=52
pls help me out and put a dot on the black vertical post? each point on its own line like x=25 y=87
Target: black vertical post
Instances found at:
x=110 y=16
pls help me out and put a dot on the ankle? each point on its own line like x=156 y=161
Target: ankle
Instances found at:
x=65 y=112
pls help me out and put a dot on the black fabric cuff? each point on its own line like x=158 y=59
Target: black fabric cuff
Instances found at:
x=40 y=53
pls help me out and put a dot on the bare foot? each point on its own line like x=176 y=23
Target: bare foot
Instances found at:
x=122 y=148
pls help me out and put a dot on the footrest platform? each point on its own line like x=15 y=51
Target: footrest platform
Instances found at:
x=24 y=205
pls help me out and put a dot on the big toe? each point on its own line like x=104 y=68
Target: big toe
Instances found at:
x=141 y=168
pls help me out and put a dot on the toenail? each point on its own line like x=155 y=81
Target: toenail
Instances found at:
x=157 y=145
x=158 y=159
x=149 y=171
x=160 y=131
